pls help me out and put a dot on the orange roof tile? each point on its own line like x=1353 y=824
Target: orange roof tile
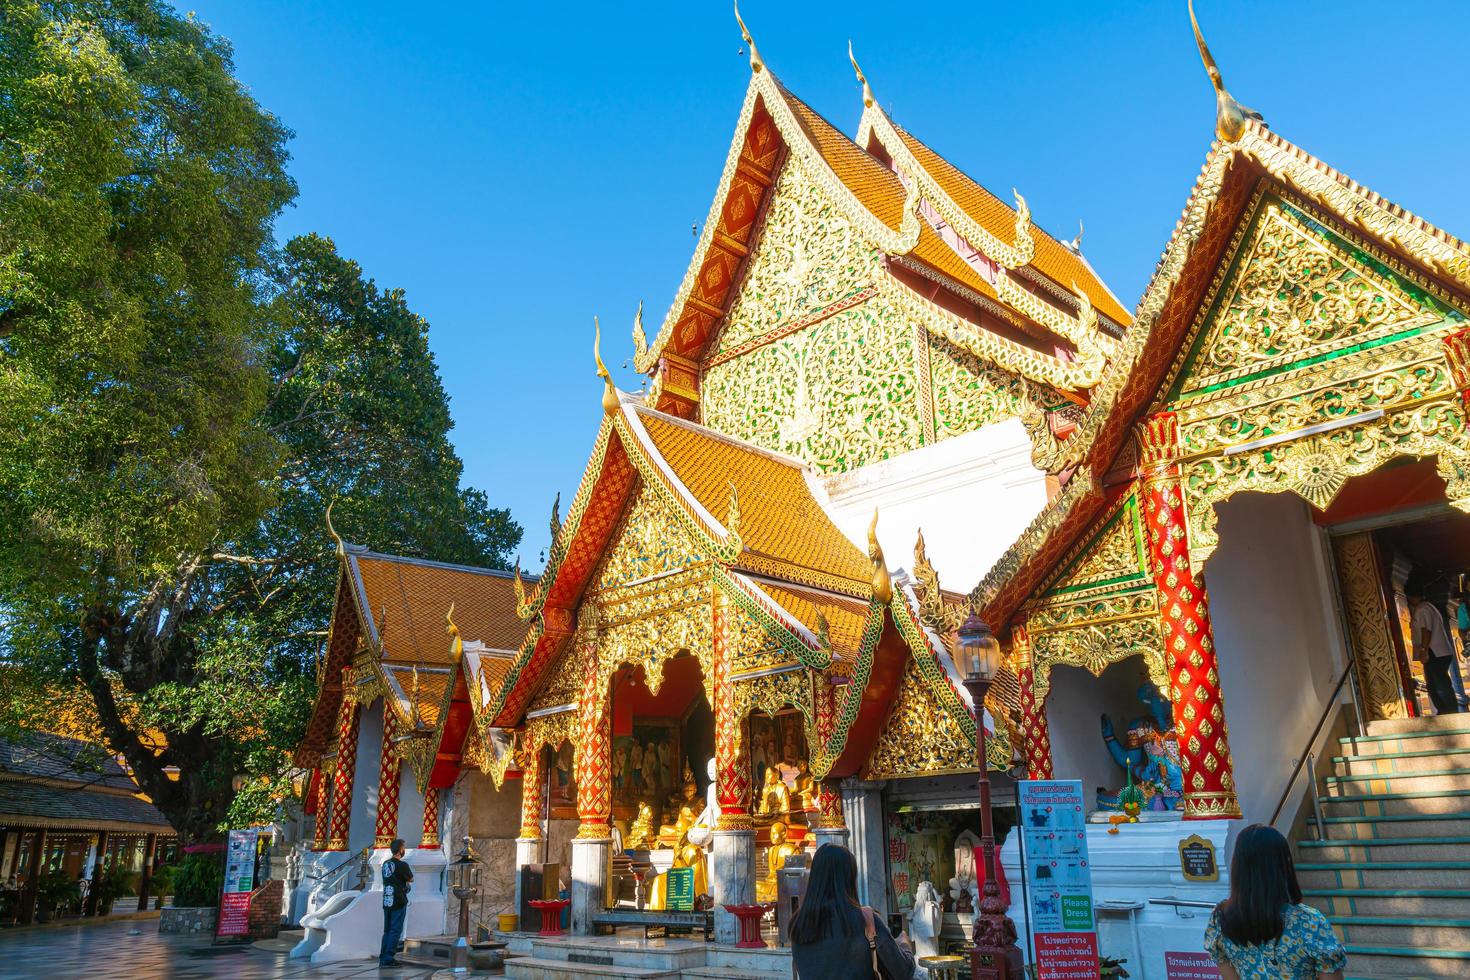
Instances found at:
x=782 y=526
x=407 y=599
x=1052 y=258
x=432 y=685
x=846 y=617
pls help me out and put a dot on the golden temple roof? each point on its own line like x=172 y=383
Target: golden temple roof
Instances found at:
x=1052 y=259
x=406 y=600
x=846 y=616
x=784 y=530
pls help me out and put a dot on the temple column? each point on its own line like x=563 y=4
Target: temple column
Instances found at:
x=390 y=771
x=322 y=805
x=347 y=721
x=732 y=861
x=831 y=825
x=863 y=802
x=592 y=847
x=1035 y=736
x=429 y=838
x=530 y=845
x=1194 y=678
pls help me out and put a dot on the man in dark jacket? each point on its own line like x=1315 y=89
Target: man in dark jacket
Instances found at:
x=397 y=876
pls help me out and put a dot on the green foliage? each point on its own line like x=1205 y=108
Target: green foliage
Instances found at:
x=162 y=882
x=114 y=882
x=56 y=888
x=197 y=880
x=181 y=400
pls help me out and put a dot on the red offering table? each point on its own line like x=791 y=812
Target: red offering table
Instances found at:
x=750 y=924
x=550 y=909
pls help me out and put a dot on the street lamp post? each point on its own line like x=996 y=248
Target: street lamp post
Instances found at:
x=995 y=955
x=464 y=880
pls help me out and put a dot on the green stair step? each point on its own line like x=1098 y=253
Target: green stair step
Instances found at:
x=1387 y=892
x=1382 y=841
x=1385 y=866
x=1422 y=952
x=1397 y=817
x=1418 y=794
x=1390 y=776
x=1424 y=754
x=1392 y=920
x=1430 y=733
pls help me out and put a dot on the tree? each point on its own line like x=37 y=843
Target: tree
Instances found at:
x=180 y=401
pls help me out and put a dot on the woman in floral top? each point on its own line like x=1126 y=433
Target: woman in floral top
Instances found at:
x=1263 y=931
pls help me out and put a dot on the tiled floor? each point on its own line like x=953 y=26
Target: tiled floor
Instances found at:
x=135 y=951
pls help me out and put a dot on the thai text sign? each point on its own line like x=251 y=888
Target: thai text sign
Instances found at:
x=1190 y=966
x=234 y=901
x=1059 y=877
x=1067 y=955
x=681 y=890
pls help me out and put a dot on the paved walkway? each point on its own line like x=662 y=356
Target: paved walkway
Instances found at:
x=135 y=951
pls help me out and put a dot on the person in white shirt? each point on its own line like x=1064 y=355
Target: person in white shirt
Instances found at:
x=1433 y=648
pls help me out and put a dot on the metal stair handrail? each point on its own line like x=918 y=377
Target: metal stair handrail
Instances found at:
x=333 y=879
x=1307 y=758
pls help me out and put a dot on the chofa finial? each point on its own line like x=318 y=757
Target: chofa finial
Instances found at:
x=868 y=99
x=882 y=581
x=1230 y=115
x=609 y=393
x=640 y=339
x=456 y=644
x=756 y=64
x=336 y=538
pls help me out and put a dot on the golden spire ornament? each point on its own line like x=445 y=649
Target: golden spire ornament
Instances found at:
x=609 y=393
x=332 y=531
x=640 y=339
x=868 y=99
x=882 y=582
x=756 y=64
x=456 y=643
x=1230 y=115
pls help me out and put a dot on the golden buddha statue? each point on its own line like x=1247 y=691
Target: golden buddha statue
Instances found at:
x=640 y=833
x=776 y=855
x=806 y=786
x=775 y=796
x=686 y=855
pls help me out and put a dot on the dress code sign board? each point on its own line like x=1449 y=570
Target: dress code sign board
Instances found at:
x=1059 y=877
x=234 y=900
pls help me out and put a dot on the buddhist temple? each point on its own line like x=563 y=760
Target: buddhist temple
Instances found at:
x=1199 y=519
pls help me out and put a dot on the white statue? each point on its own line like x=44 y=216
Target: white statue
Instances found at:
x=966 y=848
x=925 y=920
x=708 y=819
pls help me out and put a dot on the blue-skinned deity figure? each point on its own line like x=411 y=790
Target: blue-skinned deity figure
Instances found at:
x=1144 y=753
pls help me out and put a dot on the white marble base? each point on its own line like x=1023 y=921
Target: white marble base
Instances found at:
x=732 y=870
x=1139 y=863
x=827 y=835
x=591 y=863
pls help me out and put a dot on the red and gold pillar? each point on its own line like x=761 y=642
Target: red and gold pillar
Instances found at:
x=430 y=836
x=1194 y=677
x=1034 y=731
x=347 y=725
x=593 y=752
x=390 y=769
x=321 y=805
x=732 y=762
x=830 y=824
x=533 y=795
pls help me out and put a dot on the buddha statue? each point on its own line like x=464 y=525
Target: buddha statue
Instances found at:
x=640 y=833
x=686 y=795
x=688 y=854
x=776 y=855
x=775 y=797
x=806 y=786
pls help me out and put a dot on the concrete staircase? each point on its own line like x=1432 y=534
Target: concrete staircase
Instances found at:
x=575 y=958
x=1393 y=874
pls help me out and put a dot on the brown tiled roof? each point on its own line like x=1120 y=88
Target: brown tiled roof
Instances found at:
x=407 y=599
x=846 y=617
x=782 y=526
x=1052 y=258
x=432 y=685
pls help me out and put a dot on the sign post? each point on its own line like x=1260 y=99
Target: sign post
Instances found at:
x=1059 y=874
x=233 y=923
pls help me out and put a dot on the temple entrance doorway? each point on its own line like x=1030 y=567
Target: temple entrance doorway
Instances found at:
x=1384 y=567
x=662 y=741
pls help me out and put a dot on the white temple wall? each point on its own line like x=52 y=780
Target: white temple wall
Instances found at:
x=1272 y=602
x=363 y=828
x=493 y=820
x=972 y=494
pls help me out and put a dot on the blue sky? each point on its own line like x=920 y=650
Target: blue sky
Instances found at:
x=518 y=168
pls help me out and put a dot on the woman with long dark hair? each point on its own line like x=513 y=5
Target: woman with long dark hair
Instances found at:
x=835 y=938
x=1263 y=931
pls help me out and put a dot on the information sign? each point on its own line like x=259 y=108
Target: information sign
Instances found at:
x=1190 y=966
x=680 y=890
x=1059 y=877
x=234 y=902
x=1197 y=859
